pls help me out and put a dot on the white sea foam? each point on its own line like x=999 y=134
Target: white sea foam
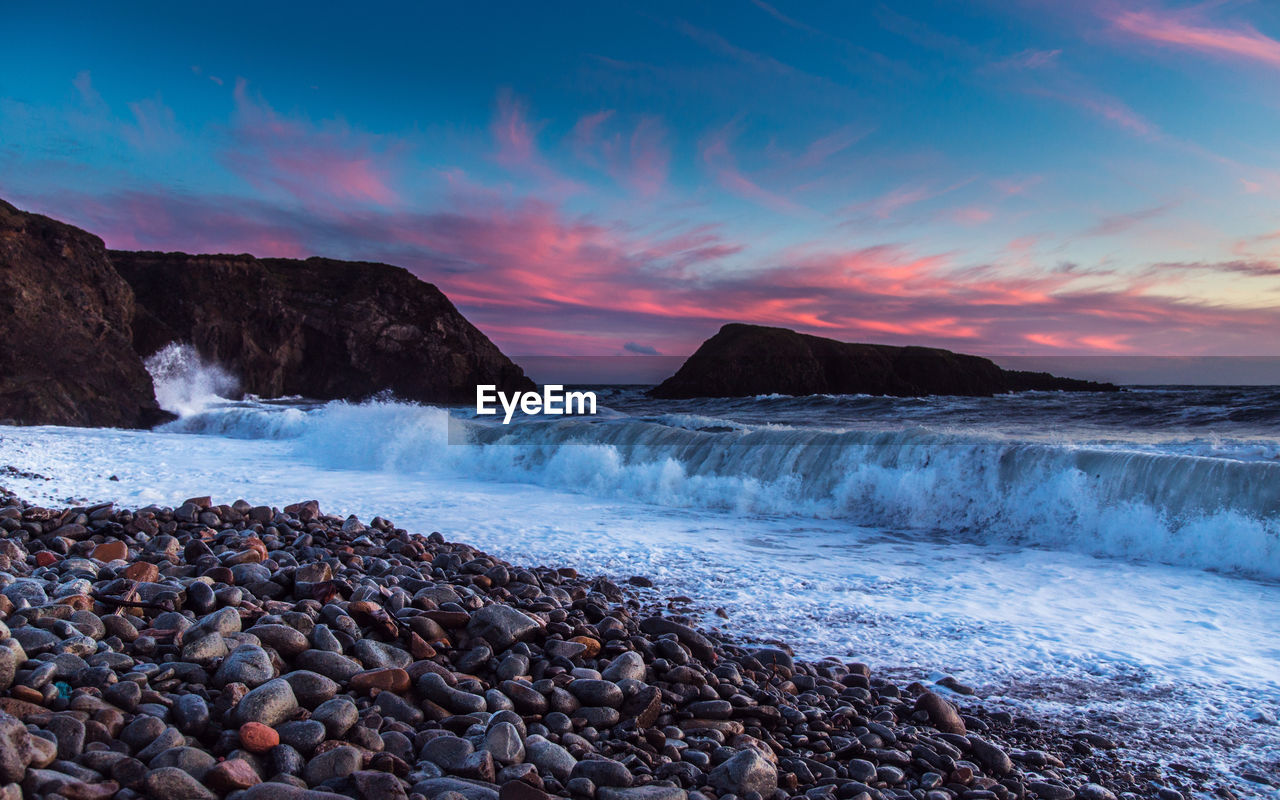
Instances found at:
x=187 y=384
x=1203 y=511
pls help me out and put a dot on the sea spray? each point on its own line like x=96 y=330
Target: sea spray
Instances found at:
x=1104 y=499
x=187 y=384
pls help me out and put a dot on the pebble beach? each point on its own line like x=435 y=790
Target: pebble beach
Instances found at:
x=248 y=651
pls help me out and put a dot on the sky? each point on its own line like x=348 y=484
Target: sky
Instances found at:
x=1013 y=177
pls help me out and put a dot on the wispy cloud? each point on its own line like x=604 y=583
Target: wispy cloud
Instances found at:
x=1255 y=269
x=1186 y=29
x=718 y=44
x=516 y=147
x=1029 y=59
x=889 y=204
x=784 y=19
x=1115 y=224
x=539 y=280
x=720 y=161
x=314 y=164
x=638 y=158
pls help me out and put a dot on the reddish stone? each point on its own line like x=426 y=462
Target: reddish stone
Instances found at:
x=419 y=648
x=592 y=645
x=391 y=679
x=44 y=558
x=19 y=708
x=143 y=572
x=519 y=790
x=114 y=550
x=306 y=510
x=961 y=775
x=98 y=790
x=448 y=619
x=79 y=602
x=373 y=615
x=27 y=694
x=247 y=556
x=258 y=738
x=231 y=775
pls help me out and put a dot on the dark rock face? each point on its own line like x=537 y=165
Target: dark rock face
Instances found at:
x=744 y=360
x=319 y=328
x=66 y=355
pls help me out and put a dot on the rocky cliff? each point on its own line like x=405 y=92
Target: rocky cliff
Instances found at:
x=319 y=328
x=66 y=354
x=744 y=360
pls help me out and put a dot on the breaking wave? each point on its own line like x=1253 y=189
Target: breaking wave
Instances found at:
x=187 y=384
x=1181 y=505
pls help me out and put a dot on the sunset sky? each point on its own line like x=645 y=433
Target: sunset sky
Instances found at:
x=1011 y=177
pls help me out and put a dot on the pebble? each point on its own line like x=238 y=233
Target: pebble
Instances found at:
x=250 y=653
x=336 y=763
x=247 y=664
x=271 y=703
x=942 y=715
x=231 y=775
x=746 y=771
x=171 y=783
x=258 y=738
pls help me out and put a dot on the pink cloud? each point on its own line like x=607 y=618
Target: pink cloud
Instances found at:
x=718 y=156
x=516 y=147
x=585 y=135
x=88 y=94
x=156 y=126
x=1115 y=111
x=824 y=147
x=971 y=215
x=1016 y=188
x=149 y=127
x=539 y=280
x=313 y=164
x=1115 y=224
x=1181 y=29
x=890 y=203
x=639 y=160
x=140 y=220
x=513 y=133
x=650 y=158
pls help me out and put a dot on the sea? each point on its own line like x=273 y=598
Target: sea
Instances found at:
x=1108 y=561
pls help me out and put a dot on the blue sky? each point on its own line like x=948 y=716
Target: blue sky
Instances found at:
x=1003 y=177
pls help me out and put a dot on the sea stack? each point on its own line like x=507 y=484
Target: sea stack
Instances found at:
x=745 y=360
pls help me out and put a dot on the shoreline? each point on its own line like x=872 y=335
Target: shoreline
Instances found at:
x=873 y=722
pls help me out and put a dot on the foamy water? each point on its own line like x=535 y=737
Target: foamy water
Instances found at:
x=1123 y=584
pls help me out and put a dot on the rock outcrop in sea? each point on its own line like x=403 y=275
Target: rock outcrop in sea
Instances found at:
x=249 y=652
x=746 y=360
x=66 y=315
x=318 y=328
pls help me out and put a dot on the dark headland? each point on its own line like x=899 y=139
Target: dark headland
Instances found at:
x=746 y=360
x=77 y=320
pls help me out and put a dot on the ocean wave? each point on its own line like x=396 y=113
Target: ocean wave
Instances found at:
x=1192 y=508
x=186 y=384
